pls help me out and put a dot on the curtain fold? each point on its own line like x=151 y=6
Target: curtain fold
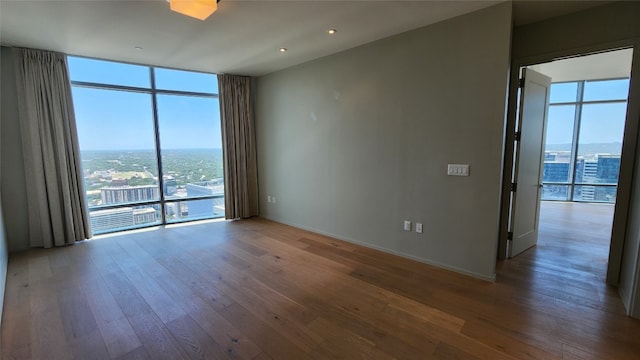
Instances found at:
x=239 y=147
x=55 y=197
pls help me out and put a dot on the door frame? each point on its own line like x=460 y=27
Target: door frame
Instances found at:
x=627 y=159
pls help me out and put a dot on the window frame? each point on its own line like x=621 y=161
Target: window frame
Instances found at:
x=571 y=184
x=162 y=202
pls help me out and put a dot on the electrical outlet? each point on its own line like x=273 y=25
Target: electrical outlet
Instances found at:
x=273 y=199
x=419 y=228
x=268 y=198
x=407 y=225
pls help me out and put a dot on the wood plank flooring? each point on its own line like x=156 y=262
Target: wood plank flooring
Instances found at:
x=255 y=289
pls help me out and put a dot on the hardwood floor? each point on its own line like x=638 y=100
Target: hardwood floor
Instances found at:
x=255 y=289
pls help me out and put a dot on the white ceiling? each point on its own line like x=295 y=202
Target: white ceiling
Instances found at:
x=607 y=65
x=242 y=37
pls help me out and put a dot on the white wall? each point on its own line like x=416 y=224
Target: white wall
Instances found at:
x=352 y=144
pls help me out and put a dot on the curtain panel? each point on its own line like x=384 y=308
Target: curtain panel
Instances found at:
x=55 y=197
x=239 y=147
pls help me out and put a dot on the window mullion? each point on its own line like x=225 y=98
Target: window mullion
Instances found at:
x=574 y=143
x=154 y=101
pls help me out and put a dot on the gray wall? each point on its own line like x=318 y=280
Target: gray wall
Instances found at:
x=12 y=182
x=352 y=144
x=604 y=27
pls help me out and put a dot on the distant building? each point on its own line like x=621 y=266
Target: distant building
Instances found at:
x=555 y=172
x=556 y=166
x=170 y=185
x=608 y=168
x=206 y=207
x=588 y=174
x=589 y=169
x=126 y=194
x=121 y=218
x=110 y=219
x=102 y=174
x=144 y=215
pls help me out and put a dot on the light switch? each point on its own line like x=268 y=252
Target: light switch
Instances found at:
x=407 y=225
x=419 y=228
x=458 y=169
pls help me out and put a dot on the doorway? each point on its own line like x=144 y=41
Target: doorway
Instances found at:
x=580 y=162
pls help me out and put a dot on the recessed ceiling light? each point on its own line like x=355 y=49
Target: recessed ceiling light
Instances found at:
x=138 y=48
x=332 y=31
x=282 y=50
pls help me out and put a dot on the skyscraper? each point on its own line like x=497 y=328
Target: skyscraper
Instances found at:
x=206 y=207
x=125 y=194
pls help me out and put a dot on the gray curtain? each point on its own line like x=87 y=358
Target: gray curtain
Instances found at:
x=55 y=200
x=239 y=147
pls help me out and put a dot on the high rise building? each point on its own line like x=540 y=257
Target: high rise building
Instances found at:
x=125 y=194
x=170 y=185
x=608 y=168
x=206 y=207
x=589 y=169
x=556 y=166
x=111 y=219
x=144 y=215
x=121 y=218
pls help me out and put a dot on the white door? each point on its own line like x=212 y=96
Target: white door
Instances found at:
x=529 y=153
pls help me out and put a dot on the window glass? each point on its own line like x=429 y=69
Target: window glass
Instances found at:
x=197 y=209
x=110 y=119
x=117 y=149
x=592 y=172
x=108 y=72
x=119 y=133
x=555 y=192
x=563 y=92
x=601 y=129
x=560 y=122
x=559 y=136
x=592 y=193
x=123 y=218
x=606 y=90
x=191 y=144
x=169 y=79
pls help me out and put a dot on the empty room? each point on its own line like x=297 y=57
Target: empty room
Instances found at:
x=316 y=180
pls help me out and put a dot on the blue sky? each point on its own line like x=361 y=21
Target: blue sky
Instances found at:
x=601 y=123
x=108 y=119
x=123 y=120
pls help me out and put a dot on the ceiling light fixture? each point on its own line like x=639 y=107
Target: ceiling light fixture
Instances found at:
x=332 y=31
x=282 y=50
x=199 y=9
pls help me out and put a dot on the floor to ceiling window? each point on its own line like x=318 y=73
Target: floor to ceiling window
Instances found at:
x=583 y=144
x=150 y=144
